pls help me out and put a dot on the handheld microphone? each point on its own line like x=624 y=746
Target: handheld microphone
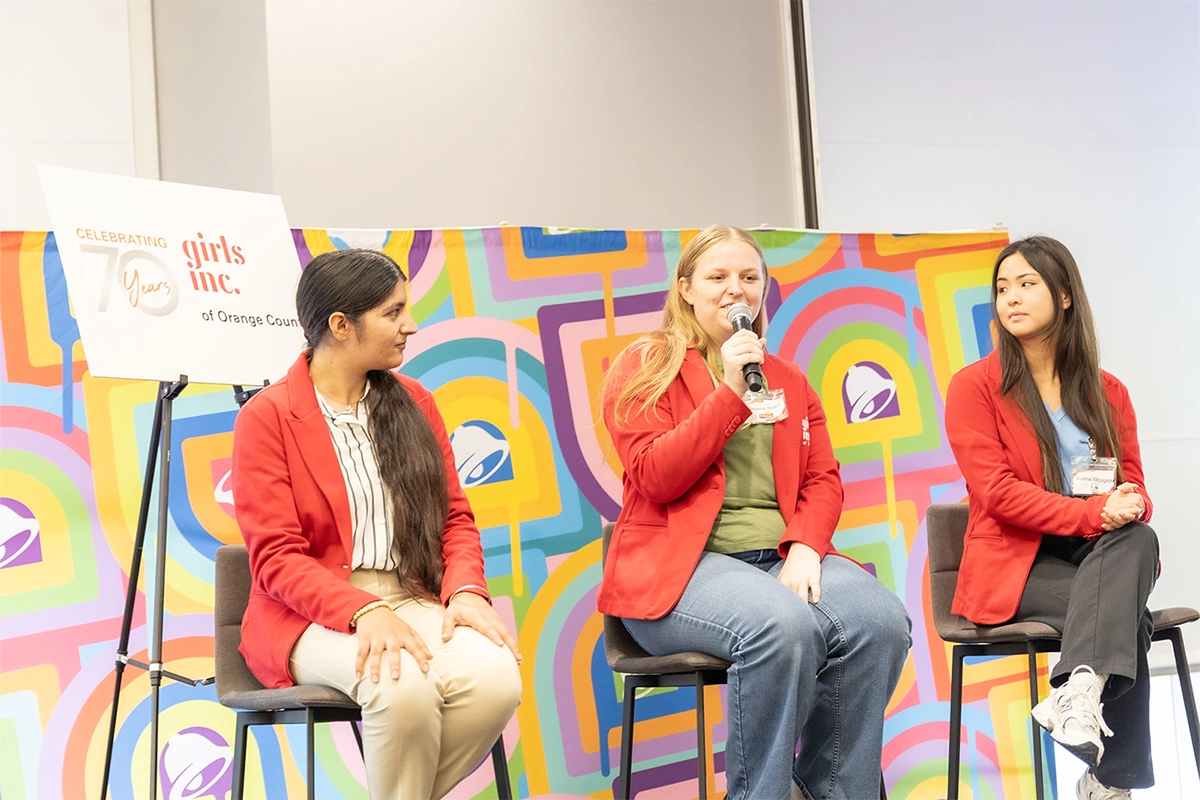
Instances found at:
x=739 y=317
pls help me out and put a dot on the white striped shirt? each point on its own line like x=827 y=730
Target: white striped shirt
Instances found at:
x=370 y=506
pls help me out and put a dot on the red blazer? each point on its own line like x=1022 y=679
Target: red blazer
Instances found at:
x=294 y=513
x=674 y=481
x=1010 y=509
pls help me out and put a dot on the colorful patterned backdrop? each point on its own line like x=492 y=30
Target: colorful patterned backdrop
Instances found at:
x=517 y=326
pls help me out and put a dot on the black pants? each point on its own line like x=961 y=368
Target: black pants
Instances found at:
x=1095 y=592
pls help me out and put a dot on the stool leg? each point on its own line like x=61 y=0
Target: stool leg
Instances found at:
x=238 y=790
x=311 y=739
x=701 y=743
x=956 y=693
x=625 y=779
x=1037 y=731
x=357 y=736
x=1185 y=686
x=500 y=767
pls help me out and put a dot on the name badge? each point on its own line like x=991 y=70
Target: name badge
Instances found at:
x=1092 y=475
x=766 y=408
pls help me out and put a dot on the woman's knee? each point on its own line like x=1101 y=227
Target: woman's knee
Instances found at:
x=404 y=702
x=1134 y=540
x=489 y=673
x=875 y=618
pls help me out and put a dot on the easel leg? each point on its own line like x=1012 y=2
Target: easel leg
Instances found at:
x=160 y=580
x=160 y=444
x=135 y=566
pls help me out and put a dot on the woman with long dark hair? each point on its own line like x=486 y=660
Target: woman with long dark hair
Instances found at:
x=1048 y=444
x=365 y=559
x=724 y=541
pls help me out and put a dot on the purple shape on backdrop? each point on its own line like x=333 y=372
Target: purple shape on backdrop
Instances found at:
x=869 y=392
x=550 y=319
x=20 y=535
x=655 y=271
x=195 y=763
x=418 y=251
x=301 y=247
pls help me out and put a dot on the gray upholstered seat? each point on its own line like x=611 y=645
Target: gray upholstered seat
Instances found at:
x=237 y=688
x=945 y=527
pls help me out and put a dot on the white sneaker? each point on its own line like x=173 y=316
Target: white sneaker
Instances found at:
x=1088 y=788
x=1072 y=715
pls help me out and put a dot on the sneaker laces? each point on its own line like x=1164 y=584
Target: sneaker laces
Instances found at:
x=1078 y=706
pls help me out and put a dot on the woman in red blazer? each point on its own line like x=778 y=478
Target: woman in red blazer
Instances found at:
x=365 y=559
x=1048 y=444
x=723 y=544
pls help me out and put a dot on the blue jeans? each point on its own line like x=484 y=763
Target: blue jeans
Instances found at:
x=817 y=673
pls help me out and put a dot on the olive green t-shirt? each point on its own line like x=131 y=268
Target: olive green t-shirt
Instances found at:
x=749 y=517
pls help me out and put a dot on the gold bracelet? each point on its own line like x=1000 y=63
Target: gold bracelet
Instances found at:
x=365 y=609
x=467 y=588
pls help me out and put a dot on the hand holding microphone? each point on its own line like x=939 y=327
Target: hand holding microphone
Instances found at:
x=743 y=351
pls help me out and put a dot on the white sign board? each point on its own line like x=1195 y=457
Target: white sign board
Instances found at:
x=168 y=279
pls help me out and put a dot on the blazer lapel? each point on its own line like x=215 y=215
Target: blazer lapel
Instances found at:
x=696 y=377
x=1020 y=436
x=316 y=447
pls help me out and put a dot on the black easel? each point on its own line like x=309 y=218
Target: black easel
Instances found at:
x=160 y=440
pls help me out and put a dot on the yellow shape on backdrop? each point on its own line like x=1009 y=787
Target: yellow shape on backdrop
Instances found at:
x=597 y=355
x=43 y=681
x=1009 y=707
x=200 y=452
x=461 y=293
x=938 y=279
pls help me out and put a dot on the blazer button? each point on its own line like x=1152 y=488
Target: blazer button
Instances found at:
x=345 y=566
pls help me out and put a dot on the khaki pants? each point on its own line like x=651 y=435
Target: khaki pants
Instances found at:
x=425 y=732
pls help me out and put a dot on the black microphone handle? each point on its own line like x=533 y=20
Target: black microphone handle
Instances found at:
x=754 y=377
x=751 y=372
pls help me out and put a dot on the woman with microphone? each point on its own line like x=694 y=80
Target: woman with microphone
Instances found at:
x=723 y=544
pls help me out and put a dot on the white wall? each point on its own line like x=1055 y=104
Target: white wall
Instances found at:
x=1080 y=120
x=214 y=114
x=65 y=98
x=588 y=113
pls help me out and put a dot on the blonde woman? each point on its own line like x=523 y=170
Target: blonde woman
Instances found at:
x=723 y=544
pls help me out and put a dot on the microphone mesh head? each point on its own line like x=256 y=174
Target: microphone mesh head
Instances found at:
x=738 y=310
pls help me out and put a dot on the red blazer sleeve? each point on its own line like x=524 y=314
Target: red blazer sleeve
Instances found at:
x=985 y=446
x=462 y=552
x=664 y=450
x=819 y=505
x=1131 y=450
x=287 y=565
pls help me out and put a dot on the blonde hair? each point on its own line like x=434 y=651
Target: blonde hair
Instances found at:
x=659 y=354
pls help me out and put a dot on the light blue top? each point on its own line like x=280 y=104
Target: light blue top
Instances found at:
x=1072 y=441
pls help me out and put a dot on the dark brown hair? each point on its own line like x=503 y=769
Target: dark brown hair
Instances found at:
x=1076 y=358
x=410 y=458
